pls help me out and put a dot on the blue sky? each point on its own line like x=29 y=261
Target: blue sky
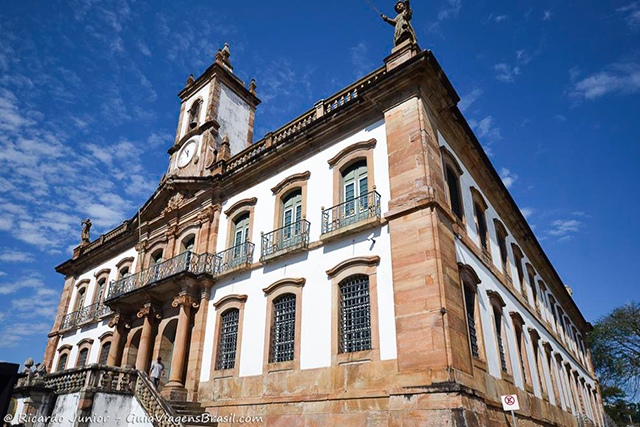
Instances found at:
x=88 y=108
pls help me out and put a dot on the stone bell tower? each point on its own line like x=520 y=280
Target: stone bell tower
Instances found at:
x=216 y=118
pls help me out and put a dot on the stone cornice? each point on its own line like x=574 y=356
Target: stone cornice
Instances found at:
x=368 y=261
x=297 y=282
x=241 y=204
x=228 y=298
x=495 y=296
x=358 y=146
x=290 y=180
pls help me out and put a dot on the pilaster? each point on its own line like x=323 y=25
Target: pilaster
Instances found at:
x=63 y=307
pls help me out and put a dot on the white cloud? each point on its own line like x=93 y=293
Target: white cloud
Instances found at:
x=486 y=128
x=506 y=72
x=501 y=18
x=450 y=10
x=14 y=334
x=547 y=15
x=468 y=99
x=527 y=212
x=619 y=78
x=16 y=256
x=564 y=229
x=362 y=65
x=508 y=177
x=632 y=14
x=144 y=49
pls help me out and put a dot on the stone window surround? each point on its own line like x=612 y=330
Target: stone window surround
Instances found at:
x=63 y=349
x=358 y=265
x=239 y=208
x=189 y=231
x=534 y=336
x=518 y=260
x=470 y=280
x=478 y=200
x=107 y=337
x=222 y=305
x=501 y=231
x=553 y=373
x=497 y=304
x=189 y=115
x=124 y=262
x=82 y=284
x=102 y=274
x=449 y=160
x=162 y=245
x=281 y=287
x=358 y=151
x=535 y=295
x=283 y=188
x=521 y=350
x=87 y=344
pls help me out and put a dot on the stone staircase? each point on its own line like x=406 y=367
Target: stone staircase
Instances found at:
x=192 y=413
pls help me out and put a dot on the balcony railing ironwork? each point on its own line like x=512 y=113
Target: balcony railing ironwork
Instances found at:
x=286 y=239
x=86 y=314
x=235 y=257
x=207 y=263
x=351 y=212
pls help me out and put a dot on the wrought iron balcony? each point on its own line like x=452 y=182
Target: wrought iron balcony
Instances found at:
x=233 y=258
x=211 y=264
x=285 y=239
x=351 y=213
x=185 y=262
x=86 y=314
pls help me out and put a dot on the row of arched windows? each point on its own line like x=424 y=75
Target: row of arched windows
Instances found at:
x=553 y=375
x=547 y=309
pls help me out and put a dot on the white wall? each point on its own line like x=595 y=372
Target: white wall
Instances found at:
x=315 y=350
x=203 y=93
x=233 y=117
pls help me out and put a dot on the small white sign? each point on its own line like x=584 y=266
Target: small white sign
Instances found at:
x=510 y=402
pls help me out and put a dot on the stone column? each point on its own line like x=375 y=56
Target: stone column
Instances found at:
x=171 y=233
x=196 y=349
x=148 y=312
x=117 y=340
x=205 y=218
x=141 y=247
x=54 y=338
x=175 y=390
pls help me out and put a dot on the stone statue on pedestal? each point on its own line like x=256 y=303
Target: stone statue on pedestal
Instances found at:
x=86 y=228
x=402 y=23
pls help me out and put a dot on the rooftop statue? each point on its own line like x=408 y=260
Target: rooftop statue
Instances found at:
x=402 y=23
x=86 y=227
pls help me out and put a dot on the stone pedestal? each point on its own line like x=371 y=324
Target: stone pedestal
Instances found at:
x=401 y=53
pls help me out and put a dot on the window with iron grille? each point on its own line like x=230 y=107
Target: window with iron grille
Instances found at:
x=470 y=300
x=283 y=329
x=104 y=355
x=498 y=320
x=228 y=339
x=355 y=314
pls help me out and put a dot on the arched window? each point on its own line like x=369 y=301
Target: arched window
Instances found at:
x=194 y=114
x=452 y=173
x=104 y=353
x=501 y=238
x=101 y=286
x=62 y=362
x=283 y=329
x=241 y=229
x=292 y=207
x=517 y=259
x=479 y=213
x=470 y=283
x=83 y=355
x=531 y=274
x=82 y=293
x=499 y=324
x=355 y=184
x=551 y=367
x=537 y=357
x=156 y=257
x=188 y=243
x=124 y=272
x=228 y=339
x=521 y=347
x=354 y=314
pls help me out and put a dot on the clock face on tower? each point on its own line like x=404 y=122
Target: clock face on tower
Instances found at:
x=186 y=153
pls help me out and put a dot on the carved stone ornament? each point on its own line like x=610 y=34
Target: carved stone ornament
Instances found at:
x=115 y=320
x=172 y=231
x=207 y=214
x=148 y=310
x=174 y=203
x=185 y=300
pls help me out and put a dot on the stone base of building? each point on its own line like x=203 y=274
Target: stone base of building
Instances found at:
x=434 y=406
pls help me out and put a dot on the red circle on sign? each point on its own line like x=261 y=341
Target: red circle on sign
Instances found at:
x=509 y=400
